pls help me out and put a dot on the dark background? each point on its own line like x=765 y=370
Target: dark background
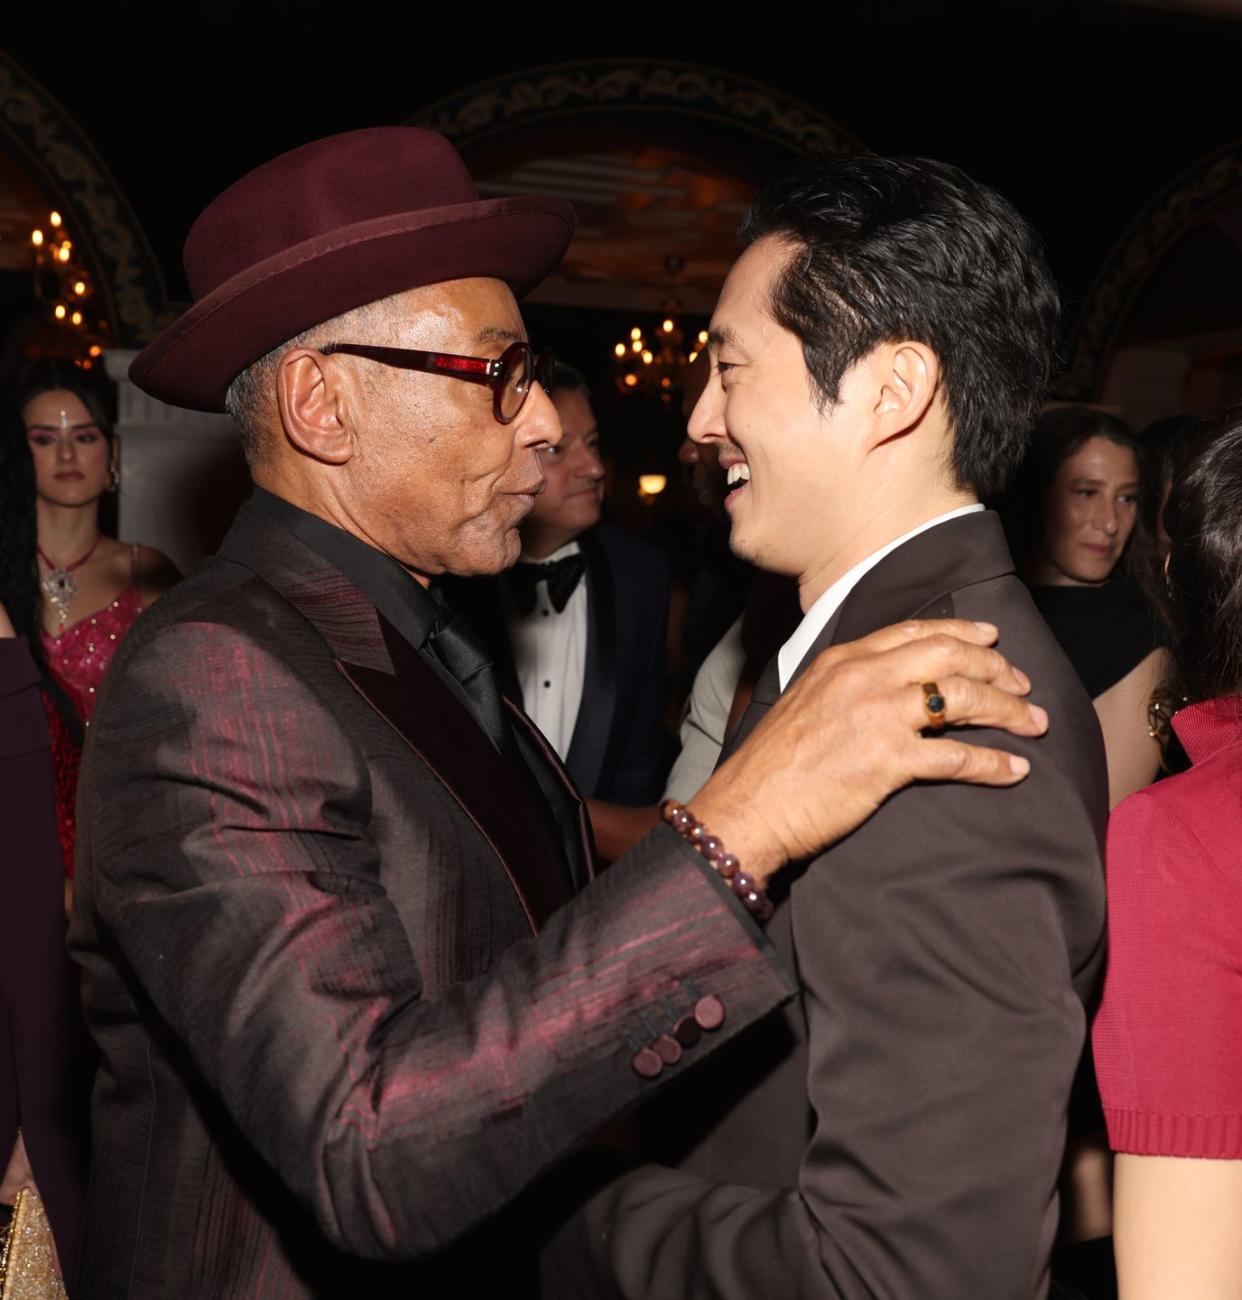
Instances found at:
x=1080 y=113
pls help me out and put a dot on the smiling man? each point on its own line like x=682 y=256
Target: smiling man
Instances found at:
x=578 y=627
x=879 y=351
x=347 y=1010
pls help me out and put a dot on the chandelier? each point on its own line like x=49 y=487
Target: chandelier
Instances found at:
x=63 y=284
x=655 y=364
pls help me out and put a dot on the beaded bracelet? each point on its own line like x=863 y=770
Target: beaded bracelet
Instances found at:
x=745 y=889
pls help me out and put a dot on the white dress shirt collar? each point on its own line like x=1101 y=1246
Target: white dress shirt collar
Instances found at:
x=816 y=618
x=570 y=548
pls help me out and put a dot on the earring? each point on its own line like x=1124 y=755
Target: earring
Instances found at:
x=114 y=479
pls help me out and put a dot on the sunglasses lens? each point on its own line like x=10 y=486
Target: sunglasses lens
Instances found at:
x=515 y=382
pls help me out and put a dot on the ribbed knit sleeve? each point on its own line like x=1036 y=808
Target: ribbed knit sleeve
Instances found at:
x=1168 y=1051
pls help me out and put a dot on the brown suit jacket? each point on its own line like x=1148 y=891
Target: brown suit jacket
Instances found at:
x=307 y=898
x=897 y=1131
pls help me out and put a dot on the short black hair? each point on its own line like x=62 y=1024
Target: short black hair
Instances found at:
x=1204 y=589
x=909 y=248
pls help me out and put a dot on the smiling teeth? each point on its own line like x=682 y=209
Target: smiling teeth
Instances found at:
x=737 y=474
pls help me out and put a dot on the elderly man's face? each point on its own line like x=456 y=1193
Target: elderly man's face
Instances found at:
x=437 y=481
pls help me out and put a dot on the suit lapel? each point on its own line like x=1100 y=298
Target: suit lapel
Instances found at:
x=918 y=580
x=410 y=695
x=588 y=756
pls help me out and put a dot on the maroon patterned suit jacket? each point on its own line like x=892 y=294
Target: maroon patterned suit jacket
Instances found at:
x=307 y=902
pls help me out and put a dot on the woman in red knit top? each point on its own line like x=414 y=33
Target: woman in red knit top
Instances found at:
x=1168 y=1051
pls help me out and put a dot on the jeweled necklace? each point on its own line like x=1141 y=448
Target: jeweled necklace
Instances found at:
x=60 y=586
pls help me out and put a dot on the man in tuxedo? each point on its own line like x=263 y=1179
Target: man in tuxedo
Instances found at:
x=578 y=627
x=346 y=1011
x=879 y=351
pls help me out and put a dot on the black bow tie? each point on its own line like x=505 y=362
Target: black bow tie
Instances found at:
x=562 y=576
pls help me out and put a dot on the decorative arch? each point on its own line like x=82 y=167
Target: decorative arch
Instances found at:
x=628 y=86
x=36 y=129
x=1204 y=185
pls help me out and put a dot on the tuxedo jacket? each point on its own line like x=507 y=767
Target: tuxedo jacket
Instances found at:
x=897 y=1131
x=616 y=752
x=307 y=907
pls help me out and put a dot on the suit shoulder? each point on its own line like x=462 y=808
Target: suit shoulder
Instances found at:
x=220 y=600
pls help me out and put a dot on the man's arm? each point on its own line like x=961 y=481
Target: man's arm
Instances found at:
x=638 y=776
x=235 y=872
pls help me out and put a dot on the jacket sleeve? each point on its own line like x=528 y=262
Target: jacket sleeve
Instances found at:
x=937 y=968
x=235 y=874
x=639 y=775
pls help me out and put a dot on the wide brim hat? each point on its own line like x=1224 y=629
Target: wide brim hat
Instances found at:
x=326 y=228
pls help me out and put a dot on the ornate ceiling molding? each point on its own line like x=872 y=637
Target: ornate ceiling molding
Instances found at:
x=597 y=85
x=57 y=152
x=1136 y=255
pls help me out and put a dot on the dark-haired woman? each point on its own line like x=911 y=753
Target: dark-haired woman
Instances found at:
x=1166 y=1037
x=41 y=1143
x=1071 y=515
x=81 y=590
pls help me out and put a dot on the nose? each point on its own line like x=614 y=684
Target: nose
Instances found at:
x=589 y=464
x=707 y=419
x=538 y=424
x=1108 y=518
x=64 y=449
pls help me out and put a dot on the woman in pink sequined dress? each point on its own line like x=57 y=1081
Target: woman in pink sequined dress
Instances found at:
x=90 y=587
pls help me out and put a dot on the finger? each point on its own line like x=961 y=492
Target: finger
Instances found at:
x=976 y=704
x=914 y=629
x=949 y=759
x=933 y=658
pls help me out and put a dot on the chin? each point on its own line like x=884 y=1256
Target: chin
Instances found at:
x=489 y=559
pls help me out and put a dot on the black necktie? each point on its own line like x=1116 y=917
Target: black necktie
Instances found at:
x=562 y=576
x=457 y=646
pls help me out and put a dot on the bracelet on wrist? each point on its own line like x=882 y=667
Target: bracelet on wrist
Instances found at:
x=751 y=894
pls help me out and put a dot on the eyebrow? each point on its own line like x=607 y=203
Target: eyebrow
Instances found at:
x=497 y=334
x=1099 y=482
x=719 y=335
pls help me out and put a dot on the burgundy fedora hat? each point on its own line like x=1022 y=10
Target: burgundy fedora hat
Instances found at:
x=330 y=226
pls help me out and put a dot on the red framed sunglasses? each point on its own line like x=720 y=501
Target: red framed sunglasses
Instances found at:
x=509 y=376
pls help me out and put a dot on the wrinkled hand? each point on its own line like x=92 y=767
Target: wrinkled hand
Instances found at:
x=849 y=733
x=17 y=1174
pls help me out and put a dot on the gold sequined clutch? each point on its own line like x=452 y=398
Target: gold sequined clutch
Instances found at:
x=28 y=1269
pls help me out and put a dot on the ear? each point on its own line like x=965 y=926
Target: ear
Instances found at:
x=907 y=375
x=312 y=394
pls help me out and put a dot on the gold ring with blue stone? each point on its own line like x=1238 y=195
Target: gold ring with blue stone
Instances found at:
x=933 y=704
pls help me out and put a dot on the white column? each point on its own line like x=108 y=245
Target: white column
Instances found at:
x=182 y=472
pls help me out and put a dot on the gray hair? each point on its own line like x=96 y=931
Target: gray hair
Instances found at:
x=251 y=397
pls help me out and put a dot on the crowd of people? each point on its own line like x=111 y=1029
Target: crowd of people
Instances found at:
x=396 y=915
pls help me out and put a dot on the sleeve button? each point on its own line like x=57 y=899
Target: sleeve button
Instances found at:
x=668 y=1049
x=687 y=1032
x=647 y=1063
x=709 y=1013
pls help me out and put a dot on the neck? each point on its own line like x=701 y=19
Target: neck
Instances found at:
x=66 y=533
x=539 y=541
x=330 y=509
x=866 y=536
x=1041 y=572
